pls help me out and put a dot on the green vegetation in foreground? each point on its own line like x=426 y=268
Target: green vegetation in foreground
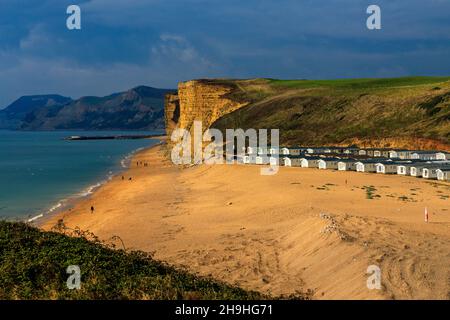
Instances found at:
x=33 y=266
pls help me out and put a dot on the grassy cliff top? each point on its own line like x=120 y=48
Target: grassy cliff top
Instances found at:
x=391 y=112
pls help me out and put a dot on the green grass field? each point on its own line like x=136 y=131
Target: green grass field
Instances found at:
x=360 y=83
x=389 y=112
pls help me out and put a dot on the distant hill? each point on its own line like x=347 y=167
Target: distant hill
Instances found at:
x=11 y=117
x=140 y=108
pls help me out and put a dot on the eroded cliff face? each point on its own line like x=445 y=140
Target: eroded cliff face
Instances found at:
x=202 y=100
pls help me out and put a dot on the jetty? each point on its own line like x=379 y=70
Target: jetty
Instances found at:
x=114 y=137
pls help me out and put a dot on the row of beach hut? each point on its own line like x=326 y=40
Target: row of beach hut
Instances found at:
x=369 y=152
x=426 y=164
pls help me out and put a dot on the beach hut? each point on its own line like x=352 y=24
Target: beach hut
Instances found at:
x=328 y=163
x=443 y=174
x=403 y=169
x=347 y=165
x=310 y=162
x=366 y=166
x=287 y=162
x=350 y=151
x=393 y=154
x=416 y=170
x=262 y=159
x=319 y=150
x=362 y=152
x=399 y=153
x=292 y=151
x=292 y=161
x=274 y=161
x=431 y=171
x=424 y=155
x=379 y=153
x=386 y=167
x=274 y=150
x=442 y=156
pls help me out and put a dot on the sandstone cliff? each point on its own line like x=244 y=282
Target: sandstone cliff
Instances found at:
x=202 y=100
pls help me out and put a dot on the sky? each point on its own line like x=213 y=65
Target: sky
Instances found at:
x=125 y=43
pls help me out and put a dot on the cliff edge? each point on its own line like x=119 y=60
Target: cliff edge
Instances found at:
x=201 y=100
x=410 y=112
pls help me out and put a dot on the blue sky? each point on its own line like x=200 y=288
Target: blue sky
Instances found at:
x=124 y=43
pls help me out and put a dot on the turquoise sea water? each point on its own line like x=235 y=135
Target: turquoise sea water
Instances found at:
x=39 y=171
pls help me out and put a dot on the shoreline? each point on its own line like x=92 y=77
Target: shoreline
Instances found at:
x=66 y=204
x=301 y=229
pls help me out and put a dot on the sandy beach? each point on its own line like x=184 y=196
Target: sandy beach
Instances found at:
x=297 y=231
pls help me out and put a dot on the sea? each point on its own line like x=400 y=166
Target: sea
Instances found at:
x=40 y=172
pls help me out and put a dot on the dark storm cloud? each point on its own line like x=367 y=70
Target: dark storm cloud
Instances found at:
x=130 y=42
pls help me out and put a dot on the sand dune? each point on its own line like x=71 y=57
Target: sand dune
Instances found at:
x=301 y=230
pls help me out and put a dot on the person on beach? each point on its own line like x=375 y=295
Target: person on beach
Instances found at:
x=123 y=178
x=92 y=209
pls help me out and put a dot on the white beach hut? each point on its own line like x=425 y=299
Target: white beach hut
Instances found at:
x=400 y=153
x=403 y=169
x=442 y=156
x=386 y=167
x=347 y=165
x=416 y=170
x=274 y=160
x=431 y=171
x=291 y=151
x=443 y=174
x=310 y=162
x=362 y=152
x=424 y=155
x=328 y=163
x=366 y=166
x=292 y=161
